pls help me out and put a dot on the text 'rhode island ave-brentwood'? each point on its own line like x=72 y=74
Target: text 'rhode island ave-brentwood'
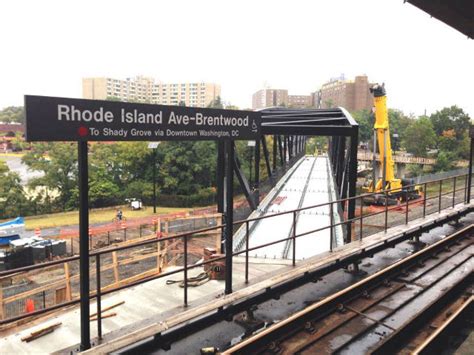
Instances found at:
x=64 y=119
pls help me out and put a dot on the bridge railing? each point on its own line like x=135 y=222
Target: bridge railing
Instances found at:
x=397 y=158
x=437 y=194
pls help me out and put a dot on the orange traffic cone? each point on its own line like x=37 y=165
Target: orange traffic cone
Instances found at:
x=30 y=305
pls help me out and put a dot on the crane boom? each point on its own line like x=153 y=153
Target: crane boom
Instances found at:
x=382 y=130
x=388 y=189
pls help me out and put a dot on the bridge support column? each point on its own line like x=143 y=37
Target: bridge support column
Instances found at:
x=220 y=186
x=352 y=180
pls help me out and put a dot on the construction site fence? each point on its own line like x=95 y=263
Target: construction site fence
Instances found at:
x=133 y=263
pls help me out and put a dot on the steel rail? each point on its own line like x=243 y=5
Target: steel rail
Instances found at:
x=432 y=344
x=400 y=284
x=297 y=320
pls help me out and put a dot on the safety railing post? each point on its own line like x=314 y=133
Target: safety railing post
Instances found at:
x=454 y=191
x=331 y=222
x=406 y=206
x=185 y=271
x=440 y=189
x=386 y=211
x=361 y=216
x=425 y=192
x=246 y=251
x=465 y=189
x=294 y=238
x=99 y=296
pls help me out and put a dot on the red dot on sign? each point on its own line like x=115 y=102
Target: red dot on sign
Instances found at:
x=83 y=131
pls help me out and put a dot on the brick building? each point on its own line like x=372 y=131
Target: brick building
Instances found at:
x=353 y=95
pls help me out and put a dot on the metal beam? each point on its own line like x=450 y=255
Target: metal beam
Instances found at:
x=266 y=155
x=257 y=172
x=352 y=180
x=244 y=183
x=307 y=130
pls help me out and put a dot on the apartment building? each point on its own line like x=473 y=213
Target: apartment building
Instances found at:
x=353 y=95
x=144 y=89
x=300 y=101
x=269 y=98
x=279 y=97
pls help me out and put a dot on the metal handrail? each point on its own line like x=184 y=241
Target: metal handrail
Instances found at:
x=184 y=236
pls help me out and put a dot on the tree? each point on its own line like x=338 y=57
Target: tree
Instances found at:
x=12 y=114
x=13 y=201
x=419 y=136
x=58 y=162
x=398 y=122
x=451 y=118
x=365 y=119
x=444 y=161
x=216 y=103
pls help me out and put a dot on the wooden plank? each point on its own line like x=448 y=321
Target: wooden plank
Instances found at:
x=104 y=316
x=67 y=276
x=108 y=308
x=39 y=333
x=115 y=266
x=218 y=236
x=60 y=295
x=2 y=313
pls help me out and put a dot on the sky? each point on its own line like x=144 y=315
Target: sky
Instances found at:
x=49 y=46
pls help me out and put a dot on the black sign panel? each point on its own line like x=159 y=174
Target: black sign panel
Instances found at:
x=64 y=119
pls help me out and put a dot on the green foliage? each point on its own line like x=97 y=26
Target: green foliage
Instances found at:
x=13 y=202
x=444 y=161
x=58 y=162
x=365 y=119
x=12 y=114
x=398 y=125
x=415 y=169
x=419 y=137
x=451 y=118
x=216 y=103
x=204 y=197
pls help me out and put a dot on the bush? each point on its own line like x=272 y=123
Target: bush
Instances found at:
x=204 y=197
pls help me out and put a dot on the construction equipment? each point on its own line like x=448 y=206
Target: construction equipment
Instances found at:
x=397 y=189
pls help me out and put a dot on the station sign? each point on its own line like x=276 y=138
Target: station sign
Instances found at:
x=65 y=119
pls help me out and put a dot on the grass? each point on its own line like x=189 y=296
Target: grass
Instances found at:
x=95 y=216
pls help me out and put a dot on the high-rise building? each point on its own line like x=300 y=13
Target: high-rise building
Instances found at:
x=269 y=98
x=143 y=89
x=353 y=95
x=279 y=97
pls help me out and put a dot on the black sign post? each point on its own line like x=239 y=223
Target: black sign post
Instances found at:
x=64 y=119
x=84 y=245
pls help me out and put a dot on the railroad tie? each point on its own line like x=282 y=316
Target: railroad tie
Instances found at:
x=368 y=317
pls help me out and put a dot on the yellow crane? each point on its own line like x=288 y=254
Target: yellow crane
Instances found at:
x=397 y=188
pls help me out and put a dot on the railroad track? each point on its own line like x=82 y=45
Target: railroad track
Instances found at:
x=388 y=312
